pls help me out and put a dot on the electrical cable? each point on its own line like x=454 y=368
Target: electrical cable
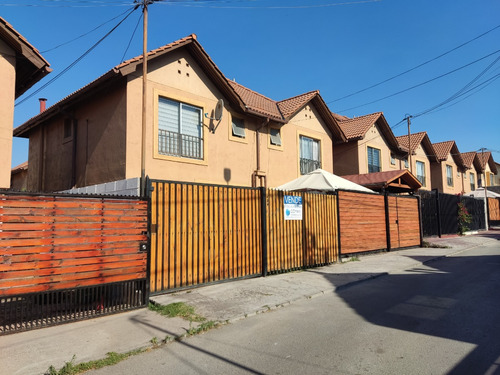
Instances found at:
x=455 y=95
x=85 y=34
x=131 y=38
x=77 y=60
x=422 y=83
x=415 y=67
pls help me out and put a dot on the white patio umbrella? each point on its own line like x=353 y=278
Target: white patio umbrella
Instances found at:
x=321 y=180
x=479 y=193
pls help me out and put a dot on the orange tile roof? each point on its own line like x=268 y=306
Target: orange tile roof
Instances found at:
x=380 y=180
x=257 y=102
x=468 y=158
x=357 y=127
x=443 y=149
x=487 y=158
x=290 y=106
x=415 y=140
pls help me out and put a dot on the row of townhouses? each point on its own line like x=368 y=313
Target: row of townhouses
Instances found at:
x=202 y=127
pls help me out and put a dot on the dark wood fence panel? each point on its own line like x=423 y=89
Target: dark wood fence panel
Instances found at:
x=295 y=244
x=404 y=221
x=494 y=209
x=202 y=234
x=56 y=242
x=362 y=222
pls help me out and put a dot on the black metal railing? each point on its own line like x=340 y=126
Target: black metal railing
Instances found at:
x=43 y=309
x=309 y=165
x=177 y=144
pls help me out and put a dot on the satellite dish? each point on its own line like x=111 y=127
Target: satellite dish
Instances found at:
x=219 y=110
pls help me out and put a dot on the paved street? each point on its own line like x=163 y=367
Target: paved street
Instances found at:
x=439 y=318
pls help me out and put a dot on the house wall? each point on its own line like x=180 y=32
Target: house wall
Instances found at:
x=497 y=176
x=282 y=164
x=346 y=158
x=420 y=155
x=99 y=142
x=374 y=138
x=226 y=159
x=7 y=96
x=19 y=180
x=439 y=179
x=467 y=180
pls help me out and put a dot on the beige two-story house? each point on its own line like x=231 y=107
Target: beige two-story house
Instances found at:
x=371 y=147
x=447 y=173
x=472 y=174
x=95 y=134
x=488 y=169
x=422 y=156
x=21 y=66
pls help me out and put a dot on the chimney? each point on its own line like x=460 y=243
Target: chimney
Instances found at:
x=43 y=103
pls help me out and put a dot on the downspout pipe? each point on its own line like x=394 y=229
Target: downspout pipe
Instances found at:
x=257 y=143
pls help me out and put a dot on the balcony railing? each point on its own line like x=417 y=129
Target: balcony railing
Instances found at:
x=176 y=144
x=308 y=165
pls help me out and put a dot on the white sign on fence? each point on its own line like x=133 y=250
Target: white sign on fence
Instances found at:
x=293 y=207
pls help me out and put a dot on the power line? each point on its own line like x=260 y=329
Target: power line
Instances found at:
x=85 y=34
x=459 y=92
x=77 y=60
x=131 y=38
x=197 y=5
x=421 y=84
x=415 y=67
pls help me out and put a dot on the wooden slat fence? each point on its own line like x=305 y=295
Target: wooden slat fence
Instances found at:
x=362 y=222
x=365 y=220
x=404 y=221
x=494 y=209
x=203 y=233
x=295 y=244
x=55 y=242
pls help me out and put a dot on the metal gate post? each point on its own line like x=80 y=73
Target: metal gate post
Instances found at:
x=263 y=229
x=438 y=211
x=421 y=230
x=387 y=222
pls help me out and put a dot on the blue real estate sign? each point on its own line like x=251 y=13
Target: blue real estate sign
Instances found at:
x=293 y=207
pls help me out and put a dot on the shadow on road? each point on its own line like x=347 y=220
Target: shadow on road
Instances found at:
x=456 y=298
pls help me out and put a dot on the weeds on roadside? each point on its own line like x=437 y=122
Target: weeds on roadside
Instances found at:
x=112 y=358
x=177 y=309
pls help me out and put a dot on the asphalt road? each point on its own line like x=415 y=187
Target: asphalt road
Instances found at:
x=443 y=318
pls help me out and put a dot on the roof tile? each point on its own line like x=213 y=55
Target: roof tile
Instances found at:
x=357 y=127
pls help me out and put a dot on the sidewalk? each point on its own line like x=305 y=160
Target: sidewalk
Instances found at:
x=34 y=351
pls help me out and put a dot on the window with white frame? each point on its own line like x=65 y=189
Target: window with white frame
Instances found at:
x=449 y=175
x=310 y=154
x=421 y=172
x=180 y=129
x=373 y=160
x=472 y=181
x=406 y=163
x=238 y=127
x=275 y=136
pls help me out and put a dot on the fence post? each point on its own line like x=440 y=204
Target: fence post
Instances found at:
x=438 y=211
x=387 y=222
x=147 y=196
x=263 y=229
x=421 y=230
x=338 y=227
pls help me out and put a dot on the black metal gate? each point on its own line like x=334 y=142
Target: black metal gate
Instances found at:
x=440 y=213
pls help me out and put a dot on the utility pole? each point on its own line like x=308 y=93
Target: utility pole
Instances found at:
x=144 y=4
x=484 y=185
x=408 y=117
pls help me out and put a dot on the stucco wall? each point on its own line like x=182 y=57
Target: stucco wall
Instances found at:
x=7 y=95
x=439 y=179
x=100 y=145
x=420 y=155
x=227 y=159
x=346 y=159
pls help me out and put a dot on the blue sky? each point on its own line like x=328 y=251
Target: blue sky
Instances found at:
x=282 y=48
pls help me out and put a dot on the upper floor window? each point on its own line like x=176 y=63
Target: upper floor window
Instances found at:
x=449 y=175
x=238 y=127
x=492 y=177
x=275 y=136
x=393 y=159
x=421 y=172
x=310 y=152
x=406 y=163
x=472 y=182
x=373 y=160
x=180 y=129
